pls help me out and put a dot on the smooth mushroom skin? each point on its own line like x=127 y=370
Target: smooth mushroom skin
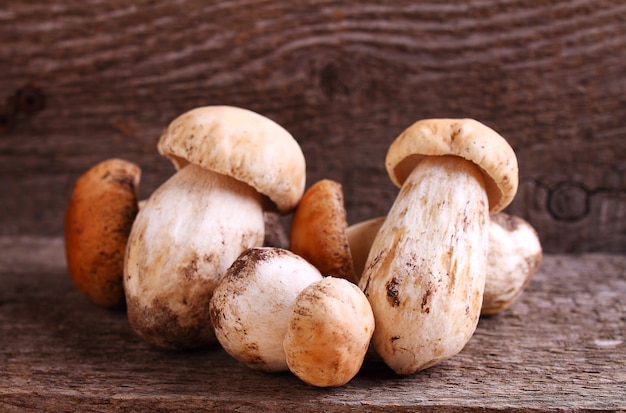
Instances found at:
x=318 y=230
x=98 y=221
x=183 y=240
x=329 y=332
x=514 y=255
x=251 y=305
x=425 y=273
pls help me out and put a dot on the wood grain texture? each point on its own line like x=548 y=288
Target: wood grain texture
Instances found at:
x=344 y=78
x=561 y=347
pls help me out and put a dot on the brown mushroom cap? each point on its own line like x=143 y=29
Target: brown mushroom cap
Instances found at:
x=466 y=138
x=242 y=144
x=98 y=220
x=318 y=230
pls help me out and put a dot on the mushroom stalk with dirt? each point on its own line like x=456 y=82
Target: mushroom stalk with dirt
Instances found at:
x=425 y=273
x=513 y=258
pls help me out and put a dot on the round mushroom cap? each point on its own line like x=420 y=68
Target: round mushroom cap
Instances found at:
x=242 y=144
x=97 y=225
x=466 y=138
x=318 y=230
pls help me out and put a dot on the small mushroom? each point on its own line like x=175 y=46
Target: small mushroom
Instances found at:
x=425 y=273
x=251 y=305
x=329 y=332
x=514 y=255
x=194 y=226
x=98 y=220
x=318 y=230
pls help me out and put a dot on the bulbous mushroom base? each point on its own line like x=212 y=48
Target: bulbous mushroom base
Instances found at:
x=184 y=238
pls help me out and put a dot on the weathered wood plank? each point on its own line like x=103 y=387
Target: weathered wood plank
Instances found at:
x=561 y=347
x=344 y=78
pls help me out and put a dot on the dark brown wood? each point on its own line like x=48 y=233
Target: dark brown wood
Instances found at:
x=561 y=347
x=344 y=77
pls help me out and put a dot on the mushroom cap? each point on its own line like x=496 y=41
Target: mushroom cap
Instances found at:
x=318 y=230
x=466 y=138
x=329 y=331
x=242 y=144
x=98 y=221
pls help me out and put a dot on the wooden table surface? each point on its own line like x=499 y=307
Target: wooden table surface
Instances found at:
x=562 y=347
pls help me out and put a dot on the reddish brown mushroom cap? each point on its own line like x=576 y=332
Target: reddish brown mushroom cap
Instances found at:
x=98 y=220
x=318 y=230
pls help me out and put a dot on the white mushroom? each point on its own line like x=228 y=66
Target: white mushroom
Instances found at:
x=425 y=273
x=251 y=305
x=329 y=332
x=199 y=221
x=514 y=255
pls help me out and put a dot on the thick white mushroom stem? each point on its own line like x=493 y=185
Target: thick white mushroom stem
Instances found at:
x=184 y=238
x=425 y=273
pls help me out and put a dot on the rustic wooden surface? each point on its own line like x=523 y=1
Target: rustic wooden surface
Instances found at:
x=561 y=347
x=344 y=77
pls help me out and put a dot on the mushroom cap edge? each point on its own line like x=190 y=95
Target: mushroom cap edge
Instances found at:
x=466 y=138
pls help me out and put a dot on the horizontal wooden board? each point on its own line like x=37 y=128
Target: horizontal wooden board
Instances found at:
x=561 y=347
x=344 y=78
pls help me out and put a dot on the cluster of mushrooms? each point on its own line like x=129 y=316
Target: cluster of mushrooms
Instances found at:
x=205 y=259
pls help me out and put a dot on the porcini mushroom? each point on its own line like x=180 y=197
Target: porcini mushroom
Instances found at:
x=514 y=255
x=425 y=273
x=252 y=303
x=197 y=223
x=98 y=220
x=318 y=230
x=329 y=332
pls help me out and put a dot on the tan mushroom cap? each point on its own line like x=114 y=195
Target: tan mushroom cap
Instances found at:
x=466 y=138
x=318 y=230
x=242 y=144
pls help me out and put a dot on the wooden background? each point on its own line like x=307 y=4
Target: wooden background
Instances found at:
x=344 y=77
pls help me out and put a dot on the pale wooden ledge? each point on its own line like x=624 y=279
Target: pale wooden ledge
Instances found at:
x=562 y=347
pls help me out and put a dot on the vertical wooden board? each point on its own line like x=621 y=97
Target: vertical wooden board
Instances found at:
x=345 y=79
